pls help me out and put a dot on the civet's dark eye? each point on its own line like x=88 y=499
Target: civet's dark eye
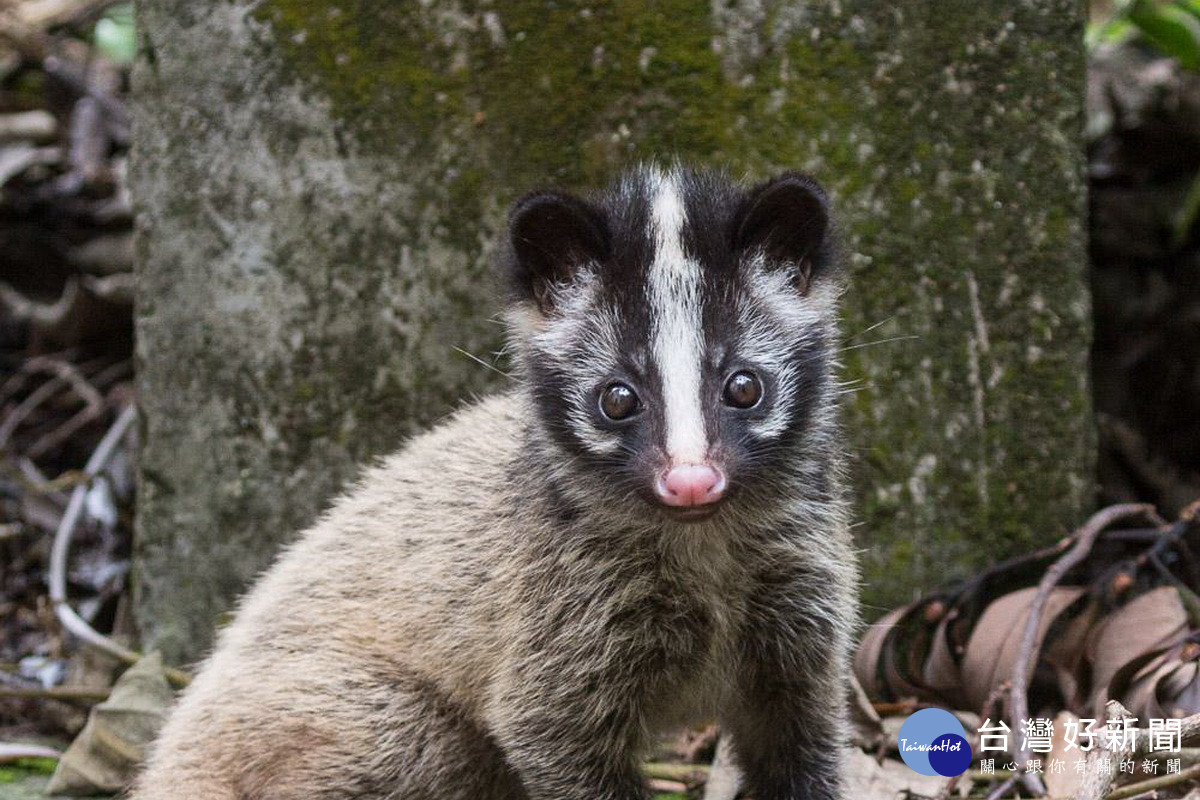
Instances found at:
x=618 y=401
x=743 y=390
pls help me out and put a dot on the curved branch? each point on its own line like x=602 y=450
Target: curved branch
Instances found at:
x=60 y=551
x=62 y=543
x=17 y=752
x=1085 y=538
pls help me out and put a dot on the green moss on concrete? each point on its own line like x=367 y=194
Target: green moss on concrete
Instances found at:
x=542 y=88
x=391 y=138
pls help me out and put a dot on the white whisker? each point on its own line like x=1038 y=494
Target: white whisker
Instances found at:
x=865 y=331
x=480 y=361
x=878 y=341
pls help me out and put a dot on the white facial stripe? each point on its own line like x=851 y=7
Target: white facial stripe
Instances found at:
x=678 y=346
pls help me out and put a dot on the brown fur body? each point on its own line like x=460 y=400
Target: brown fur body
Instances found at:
x=397 y=651
x=496 y=614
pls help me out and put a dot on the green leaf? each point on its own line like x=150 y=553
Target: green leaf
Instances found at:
x=1169 y=28
x=115 y=35
x=25 y=766
x=1113 y=31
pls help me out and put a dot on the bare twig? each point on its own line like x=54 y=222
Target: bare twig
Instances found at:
x=663 y=785
x=69 y=373
x=27 y=407
x=88 y=142
x=16 y=752
x=994 y=698
x=1154 y=784
x=64 y=693
x=116 y=115
x=1101 y=765
x=948 y=790
x=64 y=373
x=1156 y=795
x=901 y=707
x=48 y=441
x=62 y=544
x=38 y=125
x=1150 y=795
x=1004 y=788
x=111 y=373
x=53 y=488
x=1103 y=760
x=985 y=712
x=1084 y=538
x=60 y=550
x=686 y=773
x=44 y=13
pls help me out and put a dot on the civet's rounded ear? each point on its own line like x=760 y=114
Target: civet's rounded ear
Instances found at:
x=553 y=235
x=786 y=219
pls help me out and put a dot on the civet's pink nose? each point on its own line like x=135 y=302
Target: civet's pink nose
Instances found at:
x=691 y=485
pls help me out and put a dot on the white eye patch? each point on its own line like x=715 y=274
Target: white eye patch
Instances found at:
x=583 y=344
x=766 y=341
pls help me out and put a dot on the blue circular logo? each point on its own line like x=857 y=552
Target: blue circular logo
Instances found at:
x=950 y=755
x=933 y=742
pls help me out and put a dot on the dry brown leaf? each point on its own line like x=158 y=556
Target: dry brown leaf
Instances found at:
x=1064 y=651
x=87 y=308
x=1149 y=622
x=992 y=648
x=866 y=725
x=1163 y=684
x=104 y=756
x=906 y=649
x=1134 y=683
x=868 y=657
x=1178 y=694
x=941 y=673
x=867 y=779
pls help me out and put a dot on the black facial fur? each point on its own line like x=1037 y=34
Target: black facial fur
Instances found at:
x=787 y=219
x=553 y=235
x=607 y=242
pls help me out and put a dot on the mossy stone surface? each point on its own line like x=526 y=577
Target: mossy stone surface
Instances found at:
x=321 y=184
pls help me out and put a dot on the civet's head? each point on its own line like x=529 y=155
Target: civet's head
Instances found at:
x=676 y=331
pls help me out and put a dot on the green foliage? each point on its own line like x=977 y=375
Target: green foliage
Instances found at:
x=1170 y=26
x=26 y=766
x=1110 y=31
x=1173 y=28
x=115 y=35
